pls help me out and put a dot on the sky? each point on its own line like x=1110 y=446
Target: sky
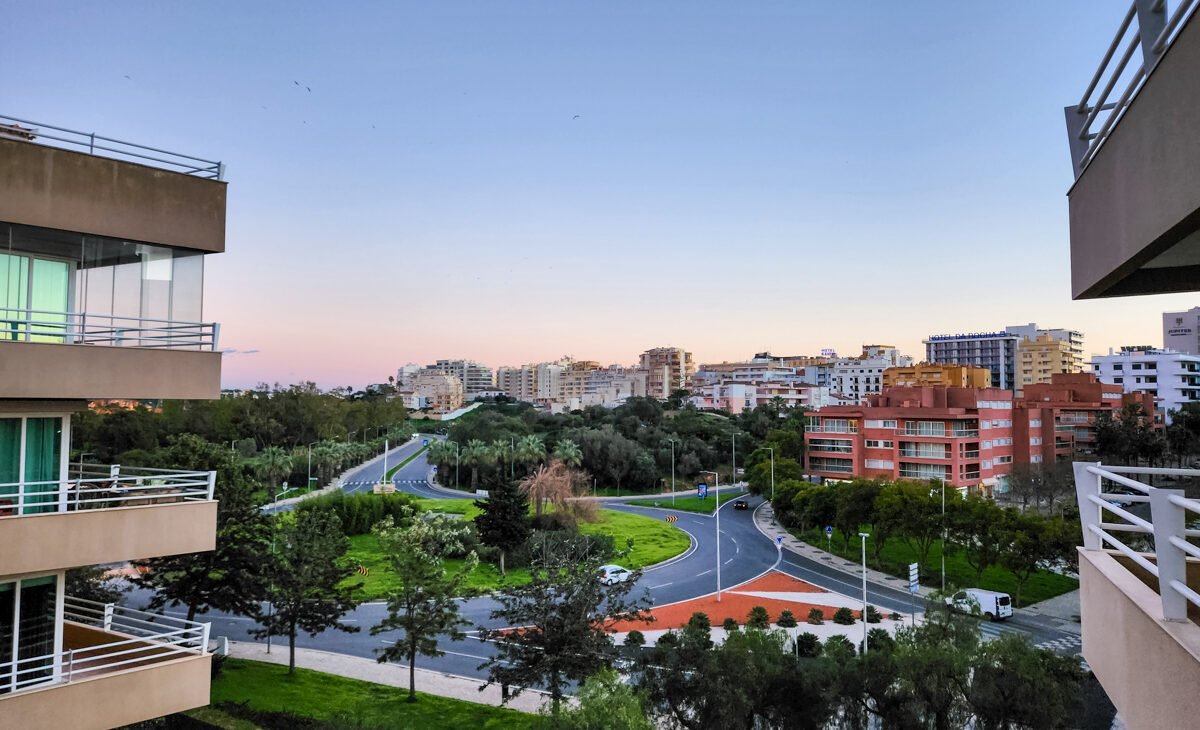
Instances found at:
x=512 y=182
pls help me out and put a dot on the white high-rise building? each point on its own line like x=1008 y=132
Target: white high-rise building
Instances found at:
x=1181 y=331
x=1173 y=378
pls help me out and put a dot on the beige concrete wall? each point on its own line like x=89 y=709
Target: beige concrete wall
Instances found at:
x=40 y=370
x=112 y=700
x=1141 y=193
x=72 y=191
x=1149 y=667
x=54 y=541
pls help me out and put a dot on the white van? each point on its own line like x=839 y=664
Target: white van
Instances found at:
x=992 y=605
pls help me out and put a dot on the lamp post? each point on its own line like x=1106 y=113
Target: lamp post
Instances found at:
x=717 y=486
x=768 y=448
x=733 y=475
x=942 y=481
x=384 y=479
x=672 y=471
x=864 y=536
x=512 y=457
x=314 y=443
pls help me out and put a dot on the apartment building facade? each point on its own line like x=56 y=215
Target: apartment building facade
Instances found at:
x=957 y=376
x=859 y=377
x=1056 y=421
x=101 y=292
x=996 y=351
x=1171 y=378
x=736 y=395
x=962 y=436
x=668 y=369
x=1042 y=357
x=1072 y=342
x=1181 y=331
x=476 y=378
x=435 y=391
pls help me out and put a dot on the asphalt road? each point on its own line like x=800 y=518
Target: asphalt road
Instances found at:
x=745 y=553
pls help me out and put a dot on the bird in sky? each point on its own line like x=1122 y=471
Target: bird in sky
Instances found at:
x=297 y=83
x=575 y=117
x=127 y=76
x=309 y=89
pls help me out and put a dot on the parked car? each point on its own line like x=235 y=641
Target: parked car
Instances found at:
x=741 y=504
x=992 y=605
x=610 y=574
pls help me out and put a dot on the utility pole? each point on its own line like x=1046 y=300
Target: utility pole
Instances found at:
x=768 y=448
x=864 y=536
x=672 y=471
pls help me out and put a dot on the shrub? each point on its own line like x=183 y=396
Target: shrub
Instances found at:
x=895 y=616
x=880 y=640
x=843 y=616
x=700 y=620
x=729 y=624
x=787 y=619
x=362 y=511
x=838 y=647
x=816 y=616
x=758 y=618
x=873 y=615
x=807 y=645
x=635 y=639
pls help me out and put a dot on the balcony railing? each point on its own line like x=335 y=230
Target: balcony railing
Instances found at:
x=81 y=328
x=970 y=454
x=141 y=638
x=832 y=429
x=1154 y=32
x=106 y=487
x=1170 y=513
x=94 y=144
x=918 y=454
x=964 y=433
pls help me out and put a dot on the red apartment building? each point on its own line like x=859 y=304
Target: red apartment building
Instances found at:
x=961 y=435
x=1056 y=421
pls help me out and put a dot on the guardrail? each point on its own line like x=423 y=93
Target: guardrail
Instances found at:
x=82 y=328
x=145 y=638
x=1155 y=30
x=93 y=143
x=1167 y=525
x=105 y=487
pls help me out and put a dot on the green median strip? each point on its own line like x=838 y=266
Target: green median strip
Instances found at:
x=392 y=472
x=689 y=504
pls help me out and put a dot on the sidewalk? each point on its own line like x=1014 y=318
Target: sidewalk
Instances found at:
x=392 y=675
x=764 y=520
x=1063 y=609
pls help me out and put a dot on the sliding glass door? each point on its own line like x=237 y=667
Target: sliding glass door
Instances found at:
x=31 y=464
x=35 y=296
x=29 y=631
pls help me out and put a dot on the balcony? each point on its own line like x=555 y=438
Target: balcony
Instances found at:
x=107 y=514
x=121 y=665
x=1140 y=609
x=1135 y=204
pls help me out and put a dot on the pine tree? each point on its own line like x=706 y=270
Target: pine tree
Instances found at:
x=503 y=522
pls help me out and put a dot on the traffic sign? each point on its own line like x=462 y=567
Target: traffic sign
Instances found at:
x=779 y=541
x=424 y=442
x=671 y=518
x=702 y=490
x=913 y=577
x=828 y=530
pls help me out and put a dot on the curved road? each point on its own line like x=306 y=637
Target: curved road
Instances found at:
x=745 y=554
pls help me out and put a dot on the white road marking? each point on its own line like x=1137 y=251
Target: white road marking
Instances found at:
x=705 y=572
x=660 y=585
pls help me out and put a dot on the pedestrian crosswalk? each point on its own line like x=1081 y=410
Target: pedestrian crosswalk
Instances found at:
x=1070 y=644
x=372 y=482
x=989 y=631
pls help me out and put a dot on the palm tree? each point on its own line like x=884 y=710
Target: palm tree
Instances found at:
x=504 y=453
x=442 y=455
x=476 y=454
x=325 y=456
x=530 y=451
x=569 y=453
x=273 y=463
x=554 y=484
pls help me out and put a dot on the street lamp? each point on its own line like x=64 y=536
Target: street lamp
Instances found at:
x=717 y=486
x=768 y=448
x=733 y=440
x=672 y=471
x=512 y=458
x=864 y=536
x=942 y=481
x=310 y=477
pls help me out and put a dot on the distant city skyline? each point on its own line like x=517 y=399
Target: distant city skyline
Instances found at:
x=511 y=183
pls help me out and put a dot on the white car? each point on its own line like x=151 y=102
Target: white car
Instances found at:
x=992 y=605
x=610 y=574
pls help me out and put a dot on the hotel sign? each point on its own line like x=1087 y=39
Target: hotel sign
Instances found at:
x=1177 y=331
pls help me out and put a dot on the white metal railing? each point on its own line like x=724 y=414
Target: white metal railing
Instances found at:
x=832 y=429
x=105 y=487
x=82 y=328
x=1154 y=32
x=93 y=143
x=1167 y=526
x=141 y=638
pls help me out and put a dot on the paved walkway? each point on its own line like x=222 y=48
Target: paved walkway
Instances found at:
x=1064 y=609
x=392 y=675
x=764 y=520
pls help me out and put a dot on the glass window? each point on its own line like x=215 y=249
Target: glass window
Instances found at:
x=8 y=604
x=43 y=453
x=35 y=628
x=10 y=464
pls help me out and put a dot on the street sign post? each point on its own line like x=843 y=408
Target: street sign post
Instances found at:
x=913 y=583
x=424 y=442
x=829 y=538
x=702 y=490
x=779 y=542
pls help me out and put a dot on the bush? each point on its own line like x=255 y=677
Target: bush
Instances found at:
x=838 y=647
x=873 y=615
x=807 y=645
x=729 y=624
x=786 y=620
x=843 y=616
x=758 y=618
x=895 y=616
x=700 y=620
x=635 y=639
x=816 y=616
x=880 y=640
x=362 y=511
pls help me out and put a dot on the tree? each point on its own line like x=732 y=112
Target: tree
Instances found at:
x=306 y=575
x=564 y=614
x=1035 y=543
x=553 y=483
x=228 y=578
x=92 y=583
x=603 y=703
x=855 y=507
x=445 y=456
x=913 y=511
x=983 y=530
x=530 y=450
x=1014 y=685
x=567 y=451
x=425 y=605
x=503 y=520
x=273 y=463
x=477 y=454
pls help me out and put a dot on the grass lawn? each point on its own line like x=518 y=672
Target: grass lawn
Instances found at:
x=653 y=542
x=267 y=687
x=689 y=504
x=897 y=555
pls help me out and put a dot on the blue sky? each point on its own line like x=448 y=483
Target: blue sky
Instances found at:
x=517 y=181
